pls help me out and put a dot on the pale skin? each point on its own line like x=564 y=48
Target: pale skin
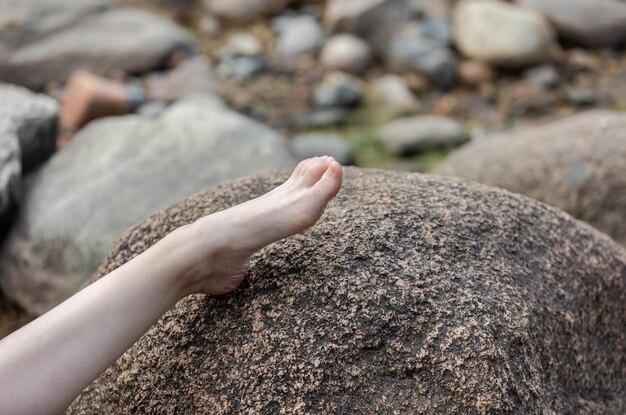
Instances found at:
x=47 y=363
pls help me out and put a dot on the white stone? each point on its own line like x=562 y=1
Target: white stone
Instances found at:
x=501 y=33
x=346 y=53
x=393 y=95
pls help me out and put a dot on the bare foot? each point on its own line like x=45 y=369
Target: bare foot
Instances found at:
x=231 y=236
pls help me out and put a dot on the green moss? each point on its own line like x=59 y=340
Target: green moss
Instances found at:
x=361 y=133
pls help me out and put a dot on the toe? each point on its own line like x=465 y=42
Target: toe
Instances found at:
x=300 y=168
x=314 y=171
x=330 y=182
x=306 y=164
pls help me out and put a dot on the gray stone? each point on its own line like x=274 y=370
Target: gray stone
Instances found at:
x=545 y=76
x=502 y=33
x=423 y=56
x=115 y=172
x=191 y=76
x=209 y=26
x=377 y=21
x=28 y=129
x=338 y=89
x=393 y=96
x=439 y=30
x=242 y=11
x=178 y=3
x=414 y=294
x=590 y=23
x=242 y=44
x=97 y=39
x=26 y=21
x=10 y=173
x=577 y=164
x=580 y=96
x=438 y=9
x=312 y=145
x=152 y=109
x=321 y=118
x=297 y=36
x=241 y=68
x=417 y=7
x=407 y=136
x=526 y=97
x=346 y=53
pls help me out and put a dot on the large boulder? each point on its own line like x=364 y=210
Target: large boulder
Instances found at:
x=115 y=173
x=589 y=23
x=28 y=127
x=577 y=164
x=46 y=41
x=414 y=294
x=501 y=33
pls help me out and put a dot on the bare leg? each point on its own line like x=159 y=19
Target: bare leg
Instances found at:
x=47 y=363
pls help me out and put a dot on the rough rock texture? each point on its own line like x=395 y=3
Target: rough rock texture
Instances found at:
x=28 y=126
x=115 y=173
x=577 y=164
x=501 y=33
x=591 y=23
x=45 y=41
x=414 y=294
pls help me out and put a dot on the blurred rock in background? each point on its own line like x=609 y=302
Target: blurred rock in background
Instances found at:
x=421 y=133
x=577 y=164
x=589 y=23
x=305 y=146
x=375 y=20
x=46 y=41
x=28 y=129
x=115 y=173
x=242 y=11
x=501 y=33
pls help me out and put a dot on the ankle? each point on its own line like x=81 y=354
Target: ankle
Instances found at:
x=188 y=254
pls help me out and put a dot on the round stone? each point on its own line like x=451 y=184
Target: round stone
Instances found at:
x=346 y=53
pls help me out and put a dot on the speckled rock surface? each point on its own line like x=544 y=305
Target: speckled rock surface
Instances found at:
x=413 y=294
x=577 y=164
